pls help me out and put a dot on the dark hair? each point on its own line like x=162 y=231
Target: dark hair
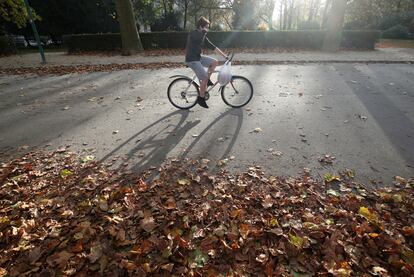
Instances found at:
x=202 y=22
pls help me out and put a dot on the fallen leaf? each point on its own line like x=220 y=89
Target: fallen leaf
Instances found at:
x=184 y=182
x=95 y=253
x=222 y=162
x=59 y=260
x=379 y=271
x=65 y=173
x=198 y=259
x=168 y=267
x=148 y=224
x=267 y=202
x=297 y=241
x=329 y=177
x=87 y=158
x=257 y=130
x=333 y=193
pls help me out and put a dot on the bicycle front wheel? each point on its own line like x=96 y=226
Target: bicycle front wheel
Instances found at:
x=238 y=92
x=183 y=93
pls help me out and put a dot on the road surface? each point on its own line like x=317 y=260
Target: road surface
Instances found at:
x=361 y=114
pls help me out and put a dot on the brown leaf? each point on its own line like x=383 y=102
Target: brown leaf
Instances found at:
x=267 y=202
x=59 y=260
x=128 y=265
x=121 y=235
x=77 y=248
x=148 y=224
x=245 y=230
x=168 y=267
x=170 y=204
x=96 y=253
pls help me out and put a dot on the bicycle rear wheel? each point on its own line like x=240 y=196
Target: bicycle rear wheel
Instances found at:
x=238 y=92
x=182 y=93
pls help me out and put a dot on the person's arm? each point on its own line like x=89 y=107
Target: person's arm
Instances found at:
x=218 y=50
x=215 y=48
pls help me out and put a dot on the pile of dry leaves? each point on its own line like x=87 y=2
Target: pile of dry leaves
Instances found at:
x=63 y=214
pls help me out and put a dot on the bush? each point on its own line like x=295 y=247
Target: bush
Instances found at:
x=7 y=46
x=93 y=42
x=157 y=40
x=246 y=39
x=396 y=32
x=360 y=39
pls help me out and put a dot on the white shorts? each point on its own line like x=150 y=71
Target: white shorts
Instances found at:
x=199 y=66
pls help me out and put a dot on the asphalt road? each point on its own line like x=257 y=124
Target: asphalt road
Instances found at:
x=362 y=114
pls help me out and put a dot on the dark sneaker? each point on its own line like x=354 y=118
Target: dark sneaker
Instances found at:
x=209 y=83
x=202 y=102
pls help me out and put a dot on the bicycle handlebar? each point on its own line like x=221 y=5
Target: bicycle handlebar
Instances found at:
x=230 y=57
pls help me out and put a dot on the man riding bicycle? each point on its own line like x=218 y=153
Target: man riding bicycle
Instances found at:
x=194 y=60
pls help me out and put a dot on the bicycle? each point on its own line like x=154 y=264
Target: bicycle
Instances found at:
x=183 y=91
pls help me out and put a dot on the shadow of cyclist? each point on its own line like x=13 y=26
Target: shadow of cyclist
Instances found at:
x=160 y=138
x=231 y=123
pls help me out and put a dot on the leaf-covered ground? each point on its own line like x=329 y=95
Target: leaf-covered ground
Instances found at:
x=64 y=214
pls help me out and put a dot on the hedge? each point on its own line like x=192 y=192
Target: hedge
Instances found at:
x=7 y=46
x=396 y=32
x=360 y=39
x=92 y=42
x=248 y=39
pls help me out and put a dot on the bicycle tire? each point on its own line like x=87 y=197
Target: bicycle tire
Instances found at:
x=250 y=92
x=171 y=98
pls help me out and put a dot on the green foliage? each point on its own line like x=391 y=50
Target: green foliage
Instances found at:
x=369 y=13
x=396 y=32
x=246 y=39
x=7 y=46
x=60 y=17
x=402 y=18
x=146 y=12
x=14 y=11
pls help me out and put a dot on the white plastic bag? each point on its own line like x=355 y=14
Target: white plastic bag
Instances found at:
x=224 y=76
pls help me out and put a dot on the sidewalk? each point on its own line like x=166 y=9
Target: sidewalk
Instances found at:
x=394 y=55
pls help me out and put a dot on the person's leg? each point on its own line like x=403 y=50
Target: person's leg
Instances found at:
x=201 y=73
x=210 y=63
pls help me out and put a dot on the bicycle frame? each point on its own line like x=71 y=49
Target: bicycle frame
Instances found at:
x=193 y=80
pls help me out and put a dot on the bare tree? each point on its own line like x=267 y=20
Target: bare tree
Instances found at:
x=184 y=4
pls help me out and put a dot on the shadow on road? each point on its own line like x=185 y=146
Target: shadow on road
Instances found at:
x=394 y=122
x=165 y=134
x=207 y=148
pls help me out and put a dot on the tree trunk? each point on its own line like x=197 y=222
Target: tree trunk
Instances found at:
x=281 y=16
x=325 y=13
x=285 y=16
x=185 y=14
x=270 y=14
x=290 y=20
x=131 y=43
x=310 y=16
x=333 y=35
x=164 y=4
